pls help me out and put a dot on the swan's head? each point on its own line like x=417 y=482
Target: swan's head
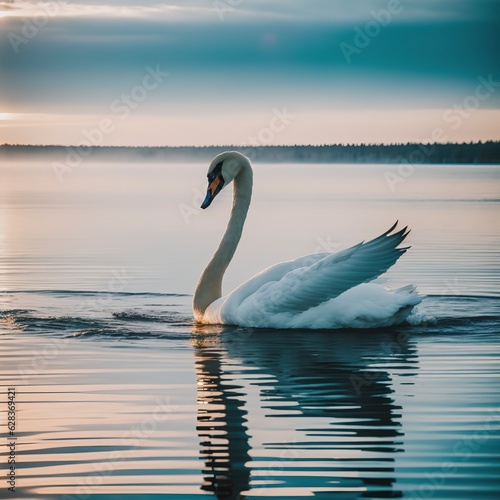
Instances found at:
x=223 y=169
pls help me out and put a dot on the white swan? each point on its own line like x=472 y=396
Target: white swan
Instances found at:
x=322 y=290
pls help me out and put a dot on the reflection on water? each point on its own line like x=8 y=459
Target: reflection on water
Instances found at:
x=332 y=424
x=222 y=429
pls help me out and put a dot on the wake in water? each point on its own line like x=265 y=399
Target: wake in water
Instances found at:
x=88 y=314
x=134 y=315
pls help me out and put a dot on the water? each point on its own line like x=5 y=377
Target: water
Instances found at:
x=119 y=395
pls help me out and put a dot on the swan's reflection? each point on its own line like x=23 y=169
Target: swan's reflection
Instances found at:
x=221 y=427
x=330 y=410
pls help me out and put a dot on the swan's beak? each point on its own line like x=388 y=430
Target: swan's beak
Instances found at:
x=213 y=189
x=208 y=199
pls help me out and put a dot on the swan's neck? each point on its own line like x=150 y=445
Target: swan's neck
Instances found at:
x=209 y=286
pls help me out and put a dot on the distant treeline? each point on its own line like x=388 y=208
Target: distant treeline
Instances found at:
x=478 y=152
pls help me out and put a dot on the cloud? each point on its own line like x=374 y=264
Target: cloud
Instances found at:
x=332 y=11
x=87 y=54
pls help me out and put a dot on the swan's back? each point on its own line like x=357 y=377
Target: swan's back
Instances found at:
x=323 y=291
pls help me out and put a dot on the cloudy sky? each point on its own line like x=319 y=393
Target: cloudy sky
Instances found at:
x=197 y=72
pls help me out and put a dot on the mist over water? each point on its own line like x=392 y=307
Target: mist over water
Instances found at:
x=138 y=227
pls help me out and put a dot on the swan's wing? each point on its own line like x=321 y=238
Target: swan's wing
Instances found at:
x=224 y=309
x=312 y=280
x=272 y=275
x=276 y=272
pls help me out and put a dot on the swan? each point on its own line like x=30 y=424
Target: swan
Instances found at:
x=318 y=291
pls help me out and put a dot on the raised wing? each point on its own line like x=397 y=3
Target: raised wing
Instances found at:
x=311 y=280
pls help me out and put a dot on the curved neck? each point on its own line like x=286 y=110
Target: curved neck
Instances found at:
x=209 y=286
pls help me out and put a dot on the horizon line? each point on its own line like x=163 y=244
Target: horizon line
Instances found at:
x=253 y=146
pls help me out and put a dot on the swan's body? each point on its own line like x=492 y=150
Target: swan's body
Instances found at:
x=315 y=291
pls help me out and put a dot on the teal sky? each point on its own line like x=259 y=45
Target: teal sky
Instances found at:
x=347 y=71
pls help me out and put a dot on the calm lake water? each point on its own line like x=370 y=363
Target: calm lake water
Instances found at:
x=119 y=395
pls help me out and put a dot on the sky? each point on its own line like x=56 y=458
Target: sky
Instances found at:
x=238 y=72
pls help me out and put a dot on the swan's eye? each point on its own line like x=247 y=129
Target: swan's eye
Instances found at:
x=217 y=171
